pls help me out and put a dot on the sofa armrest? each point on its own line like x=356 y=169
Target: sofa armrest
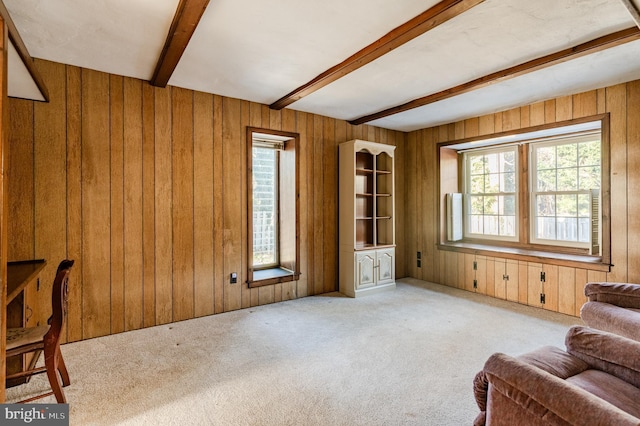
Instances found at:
x=608 y=352
x=547 y=397
x=624 y=295
x=612 y=318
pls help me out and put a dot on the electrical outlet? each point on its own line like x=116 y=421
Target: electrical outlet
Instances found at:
x=419 y=255
x=234 y=278
x=419 y=263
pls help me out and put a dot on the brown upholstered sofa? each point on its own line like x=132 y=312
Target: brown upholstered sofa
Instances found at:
x=613 y=307
x=596 y=381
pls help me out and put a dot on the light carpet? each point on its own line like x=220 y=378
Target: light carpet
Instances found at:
x=403 y=357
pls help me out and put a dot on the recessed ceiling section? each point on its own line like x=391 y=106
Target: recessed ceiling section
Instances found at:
x=492 y=36
x=123 y=37
x=261 y=50
x=576 y=76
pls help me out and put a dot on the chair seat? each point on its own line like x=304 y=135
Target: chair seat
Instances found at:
x=17 y=337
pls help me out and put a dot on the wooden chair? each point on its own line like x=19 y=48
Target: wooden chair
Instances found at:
x=46 y=338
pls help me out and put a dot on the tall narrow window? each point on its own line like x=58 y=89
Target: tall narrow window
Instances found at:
x=265 y=204
x=272 y=200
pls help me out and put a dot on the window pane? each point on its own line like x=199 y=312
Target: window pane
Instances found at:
x=492 y=183
x=508 y=182
x=477 y=205
x=491 y=205
x=546 y=205
x=476 y=164
x=508 y=205
x=546 y=180
x=546 y=228
x=491 y=225
x=567 y=229
x=567 y=155
x=476 y=224
x=546 y=158
x=477 y=184
x=589 y=177
x=584 y=206
x=264 y=163
x=508 y=225
x=567 y=205
x=492 y=163
x=584 y=230
x=589 y=153
x=508 y=160
x=567 y=179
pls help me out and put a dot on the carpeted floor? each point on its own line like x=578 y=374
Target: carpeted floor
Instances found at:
x=405 y=357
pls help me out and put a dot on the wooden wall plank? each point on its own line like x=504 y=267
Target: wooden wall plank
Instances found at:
x=245 y=291
x=21 y=197
x=182 y=208
x=133 y=236
x=585 y=104
x=289 y=124
x=74 y=202
x=116 y=118
x=218 y=210
x=232 y=205
x=318 y=195
x=302 y=287
x=633 y=180
x=330 y=205
x=95 y=202
x=148 y=205
x=203 y=183
x=616 y=104
x=163 y=200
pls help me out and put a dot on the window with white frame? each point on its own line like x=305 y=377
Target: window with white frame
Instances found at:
x=265 y=203
x=491 y=193
x=566 y=176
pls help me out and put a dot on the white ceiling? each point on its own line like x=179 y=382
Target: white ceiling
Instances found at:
x=260 y=50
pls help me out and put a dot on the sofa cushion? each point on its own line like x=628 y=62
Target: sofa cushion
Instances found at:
x=607 y=352
x=555 y=361
x=610 y=388
x=624 y=295
x=612 y=318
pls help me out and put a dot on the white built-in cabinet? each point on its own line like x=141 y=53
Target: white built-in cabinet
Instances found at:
x=366 y=218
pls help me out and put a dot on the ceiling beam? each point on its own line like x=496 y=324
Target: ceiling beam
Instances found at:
x=633 y=9
x=593 y=46
x=184 y=24
x=16 y=40
x=431 y=18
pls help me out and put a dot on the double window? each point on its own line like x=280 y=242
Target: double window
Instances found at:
x=539 y=189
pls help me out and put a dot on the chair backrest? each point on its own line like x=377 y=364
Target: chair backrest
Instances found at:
x=59 y=299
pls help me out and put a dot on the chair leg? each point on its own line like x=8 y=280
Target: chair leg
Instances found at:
x=62 y=368
x=51 y=363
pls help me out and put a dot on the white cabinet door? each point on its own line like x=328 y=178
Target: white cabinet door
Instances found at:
x=365 y=269
x=385 y=265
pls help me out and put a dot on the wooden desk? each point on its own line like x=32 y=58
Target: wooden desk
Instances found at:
x=19 y=277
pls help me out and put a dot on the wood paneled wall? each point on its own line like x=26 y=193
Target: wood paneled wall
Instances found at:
x=564 y=285
x=146 y=189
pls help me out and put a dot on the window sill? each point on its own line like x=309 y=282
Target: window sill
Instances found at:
x=562 y=259
x=272 y=276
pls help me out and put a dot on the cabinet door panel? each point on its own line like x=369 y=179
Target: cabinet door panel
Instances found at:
x=385 y=266
x=365 y=263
